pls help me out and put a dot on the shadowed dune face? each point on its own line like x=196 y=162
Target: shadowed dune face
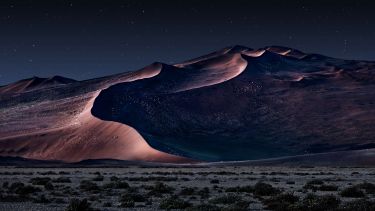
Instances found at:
x=234 y=104
x=277 y=105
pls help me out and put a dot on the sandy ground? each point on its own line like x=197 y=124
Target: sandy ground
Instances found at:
x=156 y=184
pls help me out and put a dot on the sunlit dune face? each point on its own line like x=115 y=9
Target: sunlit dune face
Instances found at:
x=215 y=71
x=254 y=53
x=202 y=58
x=284 y=53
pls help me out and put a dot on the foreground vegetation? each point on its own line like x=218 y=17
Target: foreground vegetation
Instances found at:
x=211 y=188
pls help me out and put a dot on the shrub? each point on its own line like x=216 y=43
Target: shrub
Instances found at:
x=315 y=185
x=353 y=192
x=79 y=205
x=62 y=180
x=107 y=204
x=40 y=180
x=42 y=199
x=368 y=187
x=187 y=191
x=328 y=188
x=263 y=189
x=117 y=185
x=14 y=186
x=214 y=181
x=98 y=178
x=243 y=189
x=315 y=182
x=359 y=205
x=237 y=206
x=226 y=199
x=204 y=207
x=127 y=202
x=174 y=202
x=5 y=184
x=318 y=203
x=281 y=202
x=21 y=189
x=136 y=197
x=160 y=188
x=49 y=186
x=204 y=193
x=113 y=178
x=88 y=186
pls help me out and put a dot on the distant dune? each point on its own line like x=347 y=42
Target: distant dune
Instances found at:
x=34 y=84
x=234 y=104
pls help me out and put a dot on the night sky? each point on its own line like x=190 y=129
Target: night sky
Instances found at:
x=82 y=39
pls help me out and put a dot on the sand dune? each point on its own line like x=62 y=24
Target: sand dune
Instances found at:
x=85 y=136
x=34 y=83
x=234 y=104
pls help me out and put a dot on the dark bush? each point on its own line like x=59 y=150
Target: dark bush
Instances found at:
x=214 y=181
x=315 y=182
x=107 y=204
x=42 y=199
x=136 y=197
x=204 y=193
x=113 y=178
x=49 y=186
x=359 y=205
x=88 y=186
x=226 y=199
x=174 y=202
x=368 y=187
x=327 y=188
x=263 y=189
x=353 y=192
x=79 y=205
x=62 y=180
x=204 y=207
x=116 y=185
x=5 y=184
x=243 y=189
x=98 y=178
x=237 y=206
x=40 y=180
x=318 y=203
x=21 y=189
x=314 y=185
x=160 y=188
x=281 y=202
x=187 y=191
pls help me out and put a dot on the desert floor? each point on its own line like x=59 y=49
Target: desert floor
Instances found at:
x=192 y=188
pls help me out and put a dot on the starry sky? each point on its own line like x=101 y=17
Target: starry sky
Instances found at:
x=88 y=39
